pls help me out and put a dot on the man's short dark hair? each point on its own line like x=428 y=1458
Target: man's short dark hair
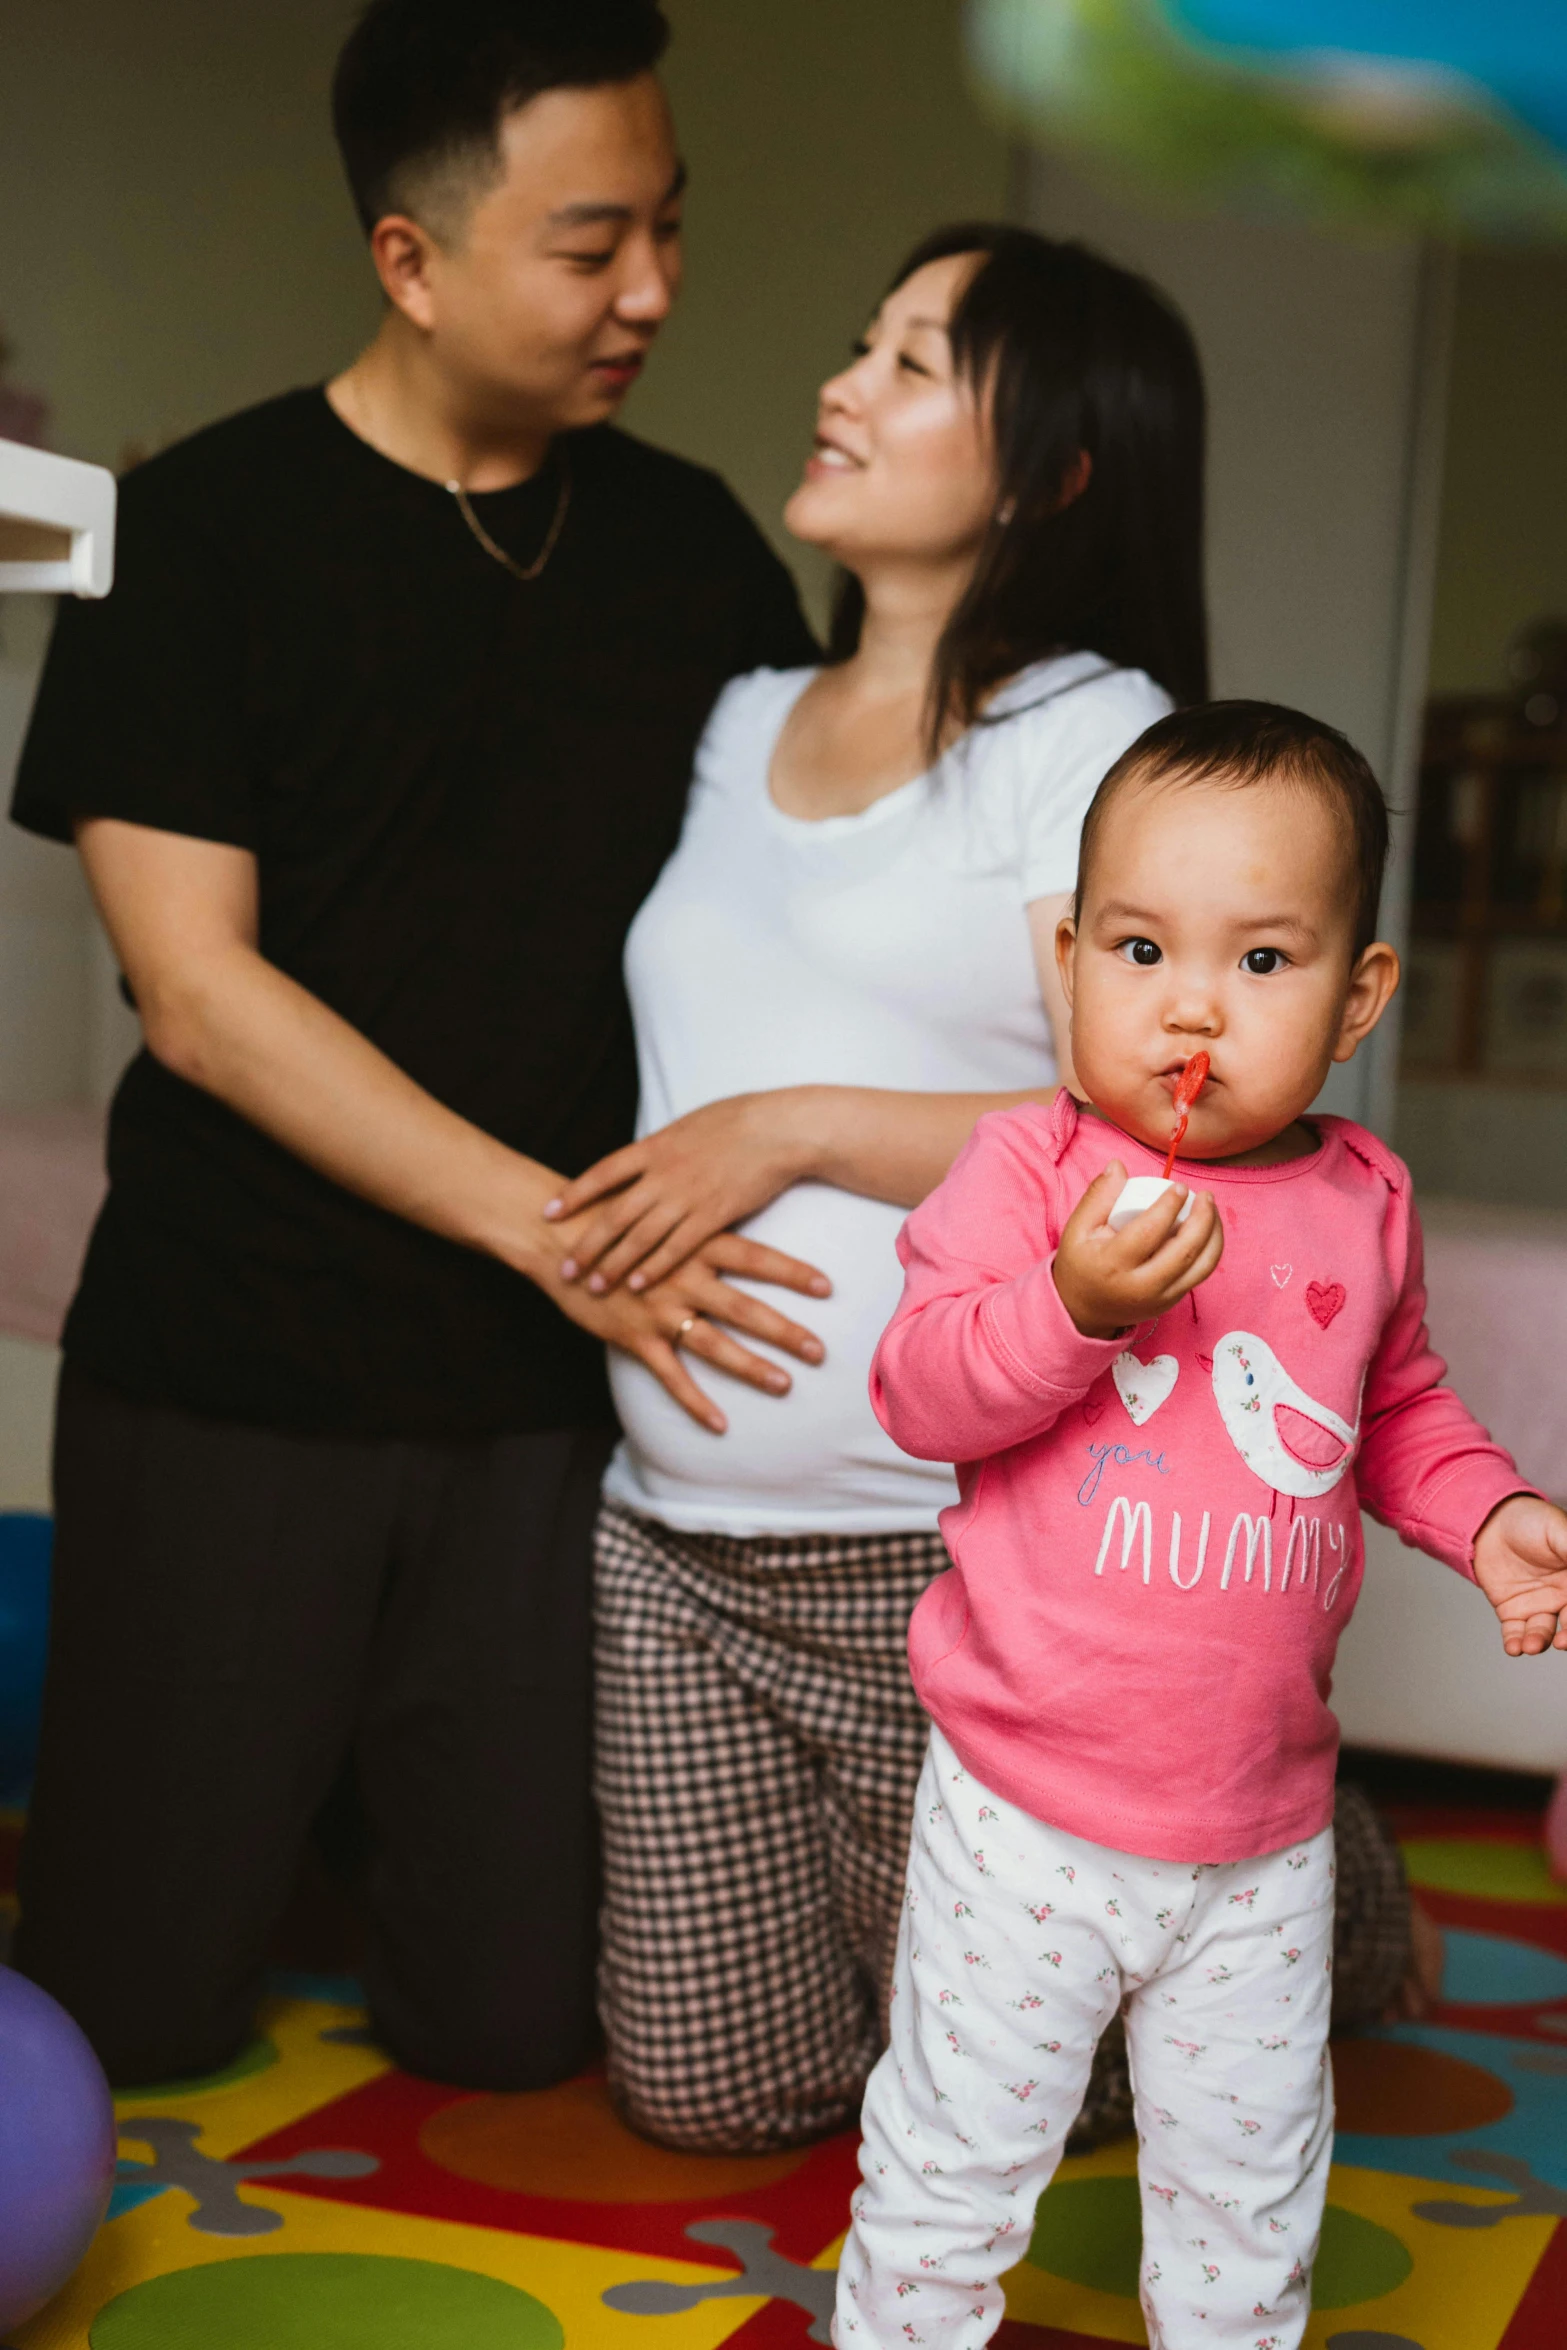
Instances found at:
x=1240 y=743
x=422 y=88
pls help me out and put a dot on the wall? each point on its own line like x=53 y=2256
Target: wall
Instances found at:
x=177 y=242
x=823 y=139
x=177 y=245
x=1501 y=561
x=1472 y=1139
x=1502 y=553
x=1325 y=360
x=44 y=973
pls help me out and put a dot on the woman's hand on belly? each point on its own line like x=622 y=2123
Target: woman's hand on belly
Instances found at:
x=661 y=1199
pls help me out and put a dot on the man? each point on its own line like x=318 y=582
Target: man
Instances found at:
x=371 y=756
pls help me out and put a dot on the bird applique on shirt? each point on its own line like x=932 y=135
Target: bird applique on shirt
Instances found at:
x=1285 y=1437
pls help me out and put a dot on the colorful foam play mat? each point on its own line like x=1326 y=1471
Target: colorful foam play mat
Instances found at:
x=314 y=2198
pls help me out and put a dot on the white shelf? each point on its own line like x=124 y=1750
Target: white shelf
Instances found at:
x=56 y=524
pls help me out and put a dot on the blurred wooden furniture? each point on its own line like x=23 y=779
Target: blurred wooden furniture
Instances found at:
x=1487 y=966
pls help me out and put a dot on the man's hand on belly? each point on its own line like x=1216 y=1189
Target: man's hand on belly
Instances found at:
x=693 y=1312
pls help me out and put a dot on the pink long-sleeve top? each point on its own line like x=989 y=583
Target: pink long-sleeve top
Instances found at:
x=1157 y=1541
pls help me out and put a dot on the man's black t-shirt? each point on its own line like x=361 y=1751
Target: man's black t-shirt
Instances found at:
x=458 y=789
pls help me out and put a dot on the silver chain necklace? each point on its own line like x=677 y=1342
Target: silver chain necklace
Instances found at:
x=529 y=572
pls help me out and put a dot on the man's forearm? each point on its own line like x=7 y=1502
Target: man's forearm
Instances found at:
x=184 y=916
x=238 y=1027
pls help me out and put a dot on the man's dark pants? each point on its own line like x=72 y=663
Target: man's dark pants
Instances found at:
x=236 y=1612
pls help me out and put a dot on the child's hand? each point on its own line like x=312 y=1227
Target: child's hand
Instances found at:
x=1521 y=1566
x=1108 y=1281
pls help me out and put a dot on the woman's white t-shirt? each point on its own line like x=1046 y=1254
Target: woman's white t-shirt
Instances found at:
x=885 y=949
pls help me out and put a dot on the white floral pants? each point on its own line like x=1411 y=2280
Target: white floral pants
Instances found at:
x=1018 y=1943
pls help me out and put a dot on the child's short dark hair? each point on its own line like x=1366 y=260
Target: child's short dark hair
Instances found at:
x=1260 y=742
x=422 y=85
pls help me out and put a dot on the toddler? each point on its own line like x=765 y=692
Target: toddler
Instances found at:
x=1166 y=1434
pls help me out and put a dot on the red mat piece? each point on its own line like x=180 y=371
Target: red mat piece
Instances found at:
x=1473 y=1822
x=1509 y=1921
x=777 y=2327
x=1013 y=2334
x=808 y=2209
x=10 y=1852
x=1540 y=2319
x=780 y=2328
x=1520 y=1921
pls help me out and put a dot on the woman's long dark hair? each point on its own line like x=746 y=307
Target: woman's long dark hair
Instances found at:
x=1072 y=355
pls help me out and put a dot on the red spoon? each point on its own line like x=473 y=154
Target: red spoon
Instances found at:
x=1188 y=1086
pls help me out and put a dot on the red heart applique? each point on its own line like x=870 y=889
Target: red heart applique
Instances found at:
x=1324 y=1299
x=1095 y=1400
x=1205 y=1362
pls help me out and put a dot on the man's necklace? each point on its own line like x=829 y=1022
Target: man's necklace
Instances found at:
x=531 y=571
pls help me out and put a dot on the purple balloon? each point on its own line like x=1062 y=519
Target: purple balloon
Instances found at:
x=57 y=2143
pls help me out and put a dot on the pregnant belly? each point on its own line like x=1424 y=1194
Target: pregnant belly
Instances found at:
x=818 y=1451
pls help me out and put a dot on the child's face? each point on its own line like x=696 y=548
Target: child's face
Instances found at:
x=1217 y=919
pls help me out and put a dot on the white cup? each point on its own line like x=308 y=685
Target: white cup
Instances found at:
x=1139 y=1192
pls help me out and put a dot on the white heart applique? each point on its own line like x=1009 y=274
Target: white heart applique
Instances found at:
x=1143 y=1387
x=1281 y=1275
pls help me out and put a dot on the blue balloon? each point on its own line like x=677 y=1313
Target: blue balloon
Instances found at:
x=57 y=2142
x=1516 y=50
x=1433 y=116
x=25 y=1544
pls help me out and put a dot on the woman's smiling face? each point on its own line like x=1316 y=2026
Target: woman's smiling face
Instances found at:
x=903 y=463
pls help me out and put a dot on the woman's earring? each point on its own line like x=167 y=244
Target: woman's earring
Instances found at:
x=1005 y=511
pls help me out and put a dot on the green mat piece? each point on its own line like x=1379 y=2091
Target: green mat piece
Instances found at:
x=1492 y=1871
x=312 y=2300
x=1090 y=2232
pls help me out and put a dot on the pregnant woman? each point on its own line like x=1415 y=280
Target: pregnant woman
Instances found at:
x=846 y=961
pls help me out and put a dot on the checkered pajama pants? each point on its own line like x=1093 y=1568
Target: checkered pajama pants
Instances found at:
x=759 y=1745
